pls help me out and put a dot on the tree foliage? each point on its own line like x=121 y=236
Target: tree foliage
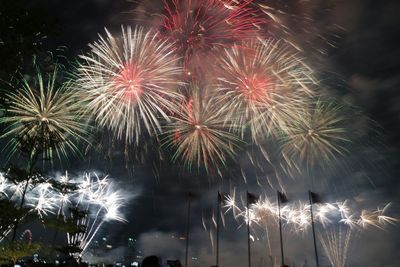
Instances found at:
x=16 y=250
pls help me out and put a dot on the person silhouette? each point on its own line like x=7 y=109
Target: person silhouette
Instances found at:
x=151 y=261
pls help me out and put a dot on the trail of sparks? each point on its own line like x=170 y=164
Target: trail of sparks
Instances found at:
x=336 y=245
x=200 y=28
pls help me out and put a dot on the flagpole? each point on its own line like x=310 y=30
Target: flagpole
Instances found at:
x=269 y=252
x=219 y=199
x=187 y=230
x=280 y=229
x=248 y=230
x=313 y=228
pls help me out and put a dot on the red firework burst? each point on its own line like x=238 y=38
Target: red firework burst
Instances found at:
x=129 y=82
x=260 y=83
x=201 y=26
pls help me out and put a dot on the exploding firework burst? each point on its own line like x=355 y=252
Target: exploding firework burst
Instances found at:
x=262 y=84
x=43 y=118
x=198 y=132
x=317 y=136
x=128 y=83
x=203 y=26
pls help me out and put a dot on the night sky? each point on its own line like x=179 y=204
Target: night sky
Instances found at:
x=362 y=68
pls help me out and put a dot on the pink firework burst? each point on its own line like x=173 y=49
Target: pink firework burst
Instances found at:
x=261 y=84
x=203 y=26
x=128 y=83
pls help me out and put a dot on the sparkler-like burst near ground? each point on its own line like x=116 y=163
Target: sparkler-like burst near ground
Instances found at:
x=38 y=198
x=201 y=28
x=101 y=202
x=43 y=118
x=340 y=222
x=128 y=83
x=262 y=84
x=96 y=198
x=199 y=134
x=297 y=216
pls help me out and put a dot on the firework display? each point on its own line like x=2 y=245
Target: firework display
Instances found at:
x=200 y=28
x=128 y=83
x=339 y=221
x=260 y=89
x=296 y=216
x=199 y=134
x=38 y=199
x=43 y=118
x=336 y=244
x=39 y=196
x=100 y=201
x=295 y=24
x=96 y=197
x=205 y=85
x=319 y=134
x=262 y=84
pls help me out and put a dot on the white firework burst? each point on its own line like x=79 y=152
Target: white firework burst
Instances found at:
x=128 y=82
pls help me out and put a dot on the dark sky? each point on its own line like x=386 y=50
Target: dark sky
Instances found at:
x=362 y=68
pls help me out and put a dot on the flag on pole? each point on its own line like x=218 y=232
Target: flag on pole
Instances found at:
x=251 y=198
x=221 y=197
x=314 y=198
x=282 y=197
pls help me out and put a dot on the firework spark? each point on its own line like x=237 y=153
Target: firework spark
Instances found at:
x=43 y=118
x=262 y=84
x=317 y=136
x=101 y=202
x=38 y=199
x=97 y=197
x=336 y=245
x=128 y=83
x=298 y=24
x=204 y=26
x=198 y=132
x=297 y=217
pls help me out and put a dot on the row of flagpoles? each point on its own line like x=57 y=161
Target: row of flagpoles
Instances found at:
x=252 y=199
